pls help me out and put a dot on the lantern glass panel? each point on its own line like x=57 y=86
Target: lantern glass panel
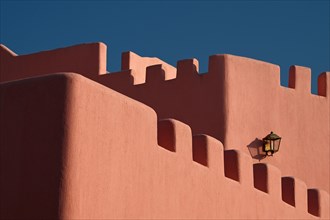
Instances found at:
x=267 y=145
x=277 y=144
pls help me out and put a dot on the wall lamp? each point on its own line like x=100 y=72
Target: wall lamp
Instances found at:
x=271 y=144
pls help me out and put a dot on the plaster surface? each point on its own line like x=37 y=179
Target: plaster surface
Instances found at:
x=99 y=168
x=68 y=143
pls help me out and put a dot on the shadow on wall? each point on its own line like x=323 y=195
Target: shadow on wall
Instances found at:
x=255 y=149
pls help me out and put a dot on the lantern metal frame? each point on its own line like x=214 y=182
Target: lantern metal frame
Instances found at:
x=271 y=144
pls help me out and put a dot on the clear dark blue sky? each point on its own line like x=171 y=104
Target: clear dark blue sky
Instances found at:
x=280 y=32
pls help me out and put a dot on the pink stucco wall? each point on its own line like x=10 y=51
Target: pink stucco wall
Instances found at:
x=105 y=147
x=257 y=104
x=75 y=158
x=239 y=101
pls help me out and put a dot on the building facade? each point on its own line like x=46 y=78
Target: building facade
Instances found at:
x=157 y=141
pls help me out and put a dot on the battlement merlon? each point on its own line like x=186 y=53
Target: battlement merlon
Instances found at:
x=300 y=78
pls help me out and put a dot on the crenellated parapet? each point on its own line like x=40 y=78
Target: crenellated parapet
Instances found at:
x=111 y=157
x=176 y=137
x=90 y=60
x=237 y=101
x=139 y=66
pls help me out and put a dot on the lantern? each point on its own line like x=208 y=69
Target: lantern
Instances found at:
x=271 y=143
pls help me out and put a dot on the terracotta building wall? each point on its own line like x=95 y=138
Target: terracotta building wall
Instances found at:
x=73 y=149
x=238 y=101
x=258 y=104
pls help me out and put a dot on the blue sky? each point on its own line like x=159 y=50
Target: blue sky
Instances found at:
x=281 y=32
